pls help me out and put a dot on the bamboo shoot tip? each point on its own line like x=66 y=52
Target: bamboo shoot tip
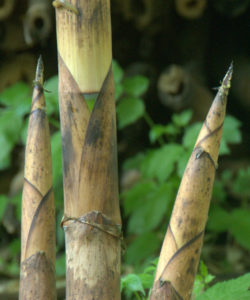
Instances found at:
x=226 y=83
x=39 y=71
x=228 y=76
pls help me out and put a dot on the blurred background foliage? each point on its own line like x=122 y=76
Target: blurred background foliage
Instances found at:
x=171 y=59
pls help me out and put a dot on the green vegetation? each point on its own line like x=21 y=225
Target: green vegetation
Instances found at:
x=137 y=286
x=148 y=202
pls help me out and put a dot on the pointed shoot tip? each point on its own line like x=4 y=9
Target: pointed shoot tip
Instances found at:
x=39 y=71
x=226 y=83
x=227 y=79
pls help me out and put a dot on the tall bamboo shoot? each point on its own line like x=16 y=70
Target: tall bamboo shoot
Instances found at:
x=38 y=211
x=181 y=248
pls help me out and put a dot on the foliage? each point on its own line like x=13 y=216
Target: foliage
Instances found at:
x=202 y=280
x=130 y=106
x=224 y=218
x=138 y=286
x=15 y=104
x=148 y=203
x=234 y=289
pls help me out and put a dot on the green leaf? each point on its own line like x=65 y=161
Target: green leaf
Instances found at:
x=134 y=197
x=142 y=247
x=10 y=124
x=218 y=219
x=153 y=207
x=159 y=130
x=160 y=163
x=56 y=151
x=237 y=222
x=24 y=131
x=231 y=131
x=202 y=279
x=129 y=110
x=219 y=193
x=191 y=134
x=18 y=97
x=118 y=72
x=60 y=265
x=10 y=128
x=226 y=175
x=172 y=130
x=156 y=132
x=136 y=85
x=241 y=184
x=203 y=269
x=147 y=280
x=6 y=147
x=118 y=91
x=235 y=289
x=224 y=149
x=239 y=226
x=183 y=118
x=132 y=283
x=231 y=134
x=12 y=269
x=15 y=247
x=182 y=162
x=199 y=286
x=90 y=100
x=51 y=96
x=133 y=162
x=3 y=203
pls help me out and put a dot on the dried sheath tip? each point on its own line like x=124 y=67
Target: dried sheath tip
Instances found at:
x=39 y=72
